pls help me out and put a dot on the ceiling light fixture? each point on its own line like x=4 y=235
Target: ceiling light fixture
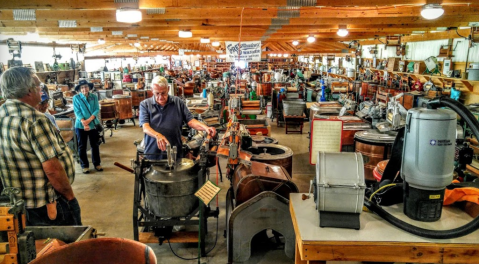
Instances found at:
x=311 y=39
x=285 y=55
x=342 y=31
x=101 y=41
x=128 y=15
x=185 y=34
x=137 y=44
x=295 y=43
x=215 y=43
x=205 y=40
x=432 y=11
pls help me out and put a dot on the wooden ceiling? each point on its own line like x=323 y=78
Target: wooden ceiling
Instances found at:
x=223 y=20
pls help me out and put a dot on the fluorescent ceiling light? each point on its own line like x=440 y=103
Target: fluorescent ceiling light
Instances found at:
x=432 y=11
x=96 y=29
x=101 y=41
x=474 y=24
x=67 y=23
x=145 y=37
x=128 y=15
x=205 y=40
x=24 y=14
x=311 y=39
x=295 y=43
x=132 y=35
x=441 y=28
x=117 y=33
x=185 y=34
x=215 y=43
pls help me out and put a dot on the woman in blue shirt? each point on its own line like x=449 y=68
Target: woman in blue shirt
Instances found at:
x=87 y=109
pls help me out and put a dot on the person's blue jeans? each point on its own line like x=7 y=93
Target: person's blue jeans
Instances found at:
x=68 y=213
x=82 y=137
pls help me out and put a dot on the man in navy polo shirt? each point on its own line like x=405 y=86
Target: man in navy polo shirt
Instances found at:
x=162 y=117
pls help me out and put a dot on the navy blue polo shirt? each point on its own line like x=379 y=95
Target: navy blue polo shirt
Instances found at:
x=166 y=120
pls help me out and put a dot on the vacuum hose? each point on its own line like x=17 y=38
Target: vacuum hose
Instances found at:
x=436 y=234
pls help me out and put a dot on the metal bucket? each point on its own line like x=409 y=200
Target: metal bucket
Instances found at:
x=171 y=193
x=274 y=154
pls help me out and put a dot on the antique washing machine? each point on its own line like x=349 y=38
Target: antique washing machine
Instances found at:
x=164 y=193
x=376 y=146
x=258 y=200
x=274 y=154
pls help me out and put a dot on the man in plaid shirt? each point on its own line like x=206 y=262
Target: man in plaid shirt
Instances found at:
x=33 y=156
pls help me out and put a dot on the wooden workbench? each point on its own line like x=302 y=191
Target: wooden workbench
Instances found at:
x=377 y=240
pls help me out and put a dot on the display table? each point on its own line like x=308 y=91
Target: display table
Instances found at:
x=377 y=240
x=294 y=121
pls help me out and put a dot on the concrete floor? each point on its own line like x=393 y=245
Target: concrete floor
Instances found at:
x=106 y=198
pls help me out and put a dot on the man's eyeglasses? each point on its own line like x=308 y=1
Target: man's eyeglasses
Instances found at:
x=161 y=94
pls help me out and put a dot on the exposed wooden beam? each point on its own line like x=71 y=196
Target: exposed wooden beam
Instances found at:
x=54 y=4
x=235 y=13
x=438 y=35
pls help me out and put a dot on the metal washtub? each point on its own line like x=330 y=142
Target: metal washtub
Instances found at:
x=294 y=108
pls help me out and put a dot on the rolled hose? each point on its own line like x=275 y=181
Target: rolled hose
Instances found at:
x=435 y=234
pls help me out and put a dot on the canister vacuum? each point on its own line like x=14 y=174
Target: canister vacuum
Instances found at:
x=423 y=153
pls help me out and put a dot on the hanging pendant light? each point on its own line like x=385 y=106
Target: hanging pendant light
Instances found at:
x=432 y=11
x=311 y=39
x=295 y=43
x=101 y=41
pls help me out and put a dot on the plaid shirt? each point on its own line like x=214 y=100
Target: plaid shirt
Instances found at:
x=27 y=139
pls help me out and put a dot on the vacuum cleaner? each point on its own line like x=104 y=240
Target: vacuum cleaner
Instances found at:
x=423 y=153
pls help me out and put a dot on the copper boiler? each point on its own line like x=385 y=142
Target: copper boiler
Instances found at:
x=375 y=146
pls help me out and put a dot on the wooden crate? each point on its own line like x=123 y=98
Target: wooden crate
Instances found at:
x=419 y=67
x=393 y=64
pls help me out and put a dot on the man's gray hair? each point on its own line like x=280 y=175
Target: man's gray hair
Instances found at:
x=160 y=80
x=17 y=82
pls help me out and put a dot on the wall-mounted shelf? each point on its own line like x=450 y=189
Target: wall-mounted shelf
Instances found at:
x=441 y=78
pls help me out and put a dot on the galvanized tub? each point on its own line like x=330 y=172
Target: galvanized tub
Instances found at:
x=294 y=108
x=170 y=193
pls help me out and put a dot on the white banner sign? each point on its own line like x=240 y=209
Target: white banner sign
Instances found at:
x=250 y=51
